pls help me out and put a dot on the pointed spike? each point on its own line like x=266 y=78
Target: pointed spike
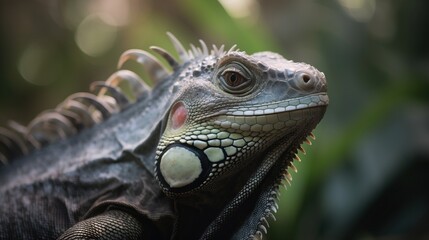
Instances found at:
x=15 y=139
x=73 y=117
x=215 y=50
x=284 y=186
x=191 y=54
x=195 y=50
x=288 y=176
x=101 y=106
x=200 y=52
x=44 y=133
x=308 y=141
x=155 y=69
x=204 y=48
x=85 y=117
x=264 y=221
x=277 y=185
x=138 y=86
x=258 y=235
x=273 y=209
x=36 y=144
x=302 y=150
x=288 y=182
x=232 y=48
x=270 y=214
x=116 y=93
x=222 y=49
x=312 y=136
x=218 y=52
x=263 y=228
x=167 y=56
x=111 y=102
x=179 y=47
x=297 y=157
x=291 y=165
x=60 y=123
x=17 y=127
x=63 y=125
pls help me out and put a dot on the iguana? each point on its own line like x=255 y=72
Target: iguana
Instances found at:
x=199 y=156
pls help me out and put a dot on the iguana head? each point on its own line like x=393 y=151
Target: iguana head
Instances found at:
x=234 y=128
x=231 y=108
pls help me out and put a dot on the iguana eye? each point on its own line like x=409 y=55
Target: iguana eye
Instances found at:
x=234 y=78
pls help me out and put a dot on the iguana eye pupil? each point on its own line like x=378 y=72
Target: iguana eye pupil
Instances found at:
x=235 y=78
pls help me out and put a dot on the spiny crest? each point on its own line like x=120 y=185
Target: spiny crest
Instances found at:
x=284 y=179
x=83 y=110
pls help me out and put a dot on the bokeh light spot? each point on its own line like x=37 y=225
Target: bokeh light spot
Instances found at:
x=241 y=8
x=360 y=10
x=31 y=63
x=94 y=36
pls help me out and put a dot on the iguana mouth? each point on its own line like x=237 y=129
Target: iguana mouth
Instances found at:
x=260 y=192
x=289 y=105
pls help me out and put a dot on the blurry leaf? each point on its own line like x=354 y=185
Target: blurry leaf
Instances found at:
x=213 y=19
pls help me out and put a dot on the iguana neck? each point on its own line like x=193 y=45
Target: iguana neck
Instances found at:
x=197 y=211
x=211 y=213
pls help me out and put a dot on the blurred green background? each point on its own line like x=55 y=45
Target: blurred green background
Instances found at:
x=367 y=174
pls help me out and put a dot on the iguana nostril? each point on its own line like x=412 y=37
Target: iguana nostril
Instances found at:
x=306 y=78
x=305 y=81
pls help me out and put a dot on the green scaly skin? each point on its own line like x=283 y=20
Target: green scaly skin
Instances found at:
x=200 y=156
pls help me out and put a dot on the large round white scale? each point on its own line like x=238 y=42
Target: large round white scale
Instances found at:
x=180 y=167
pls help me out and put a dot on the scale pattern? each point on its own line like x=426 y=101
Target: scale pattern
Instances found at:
x=197 y=151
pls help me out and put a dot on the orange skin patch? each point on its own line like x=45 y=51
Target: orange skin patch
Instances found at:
x=179 y=114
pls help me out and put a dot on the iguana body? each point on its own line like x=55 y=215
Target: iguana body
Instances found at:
x=198 y=157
